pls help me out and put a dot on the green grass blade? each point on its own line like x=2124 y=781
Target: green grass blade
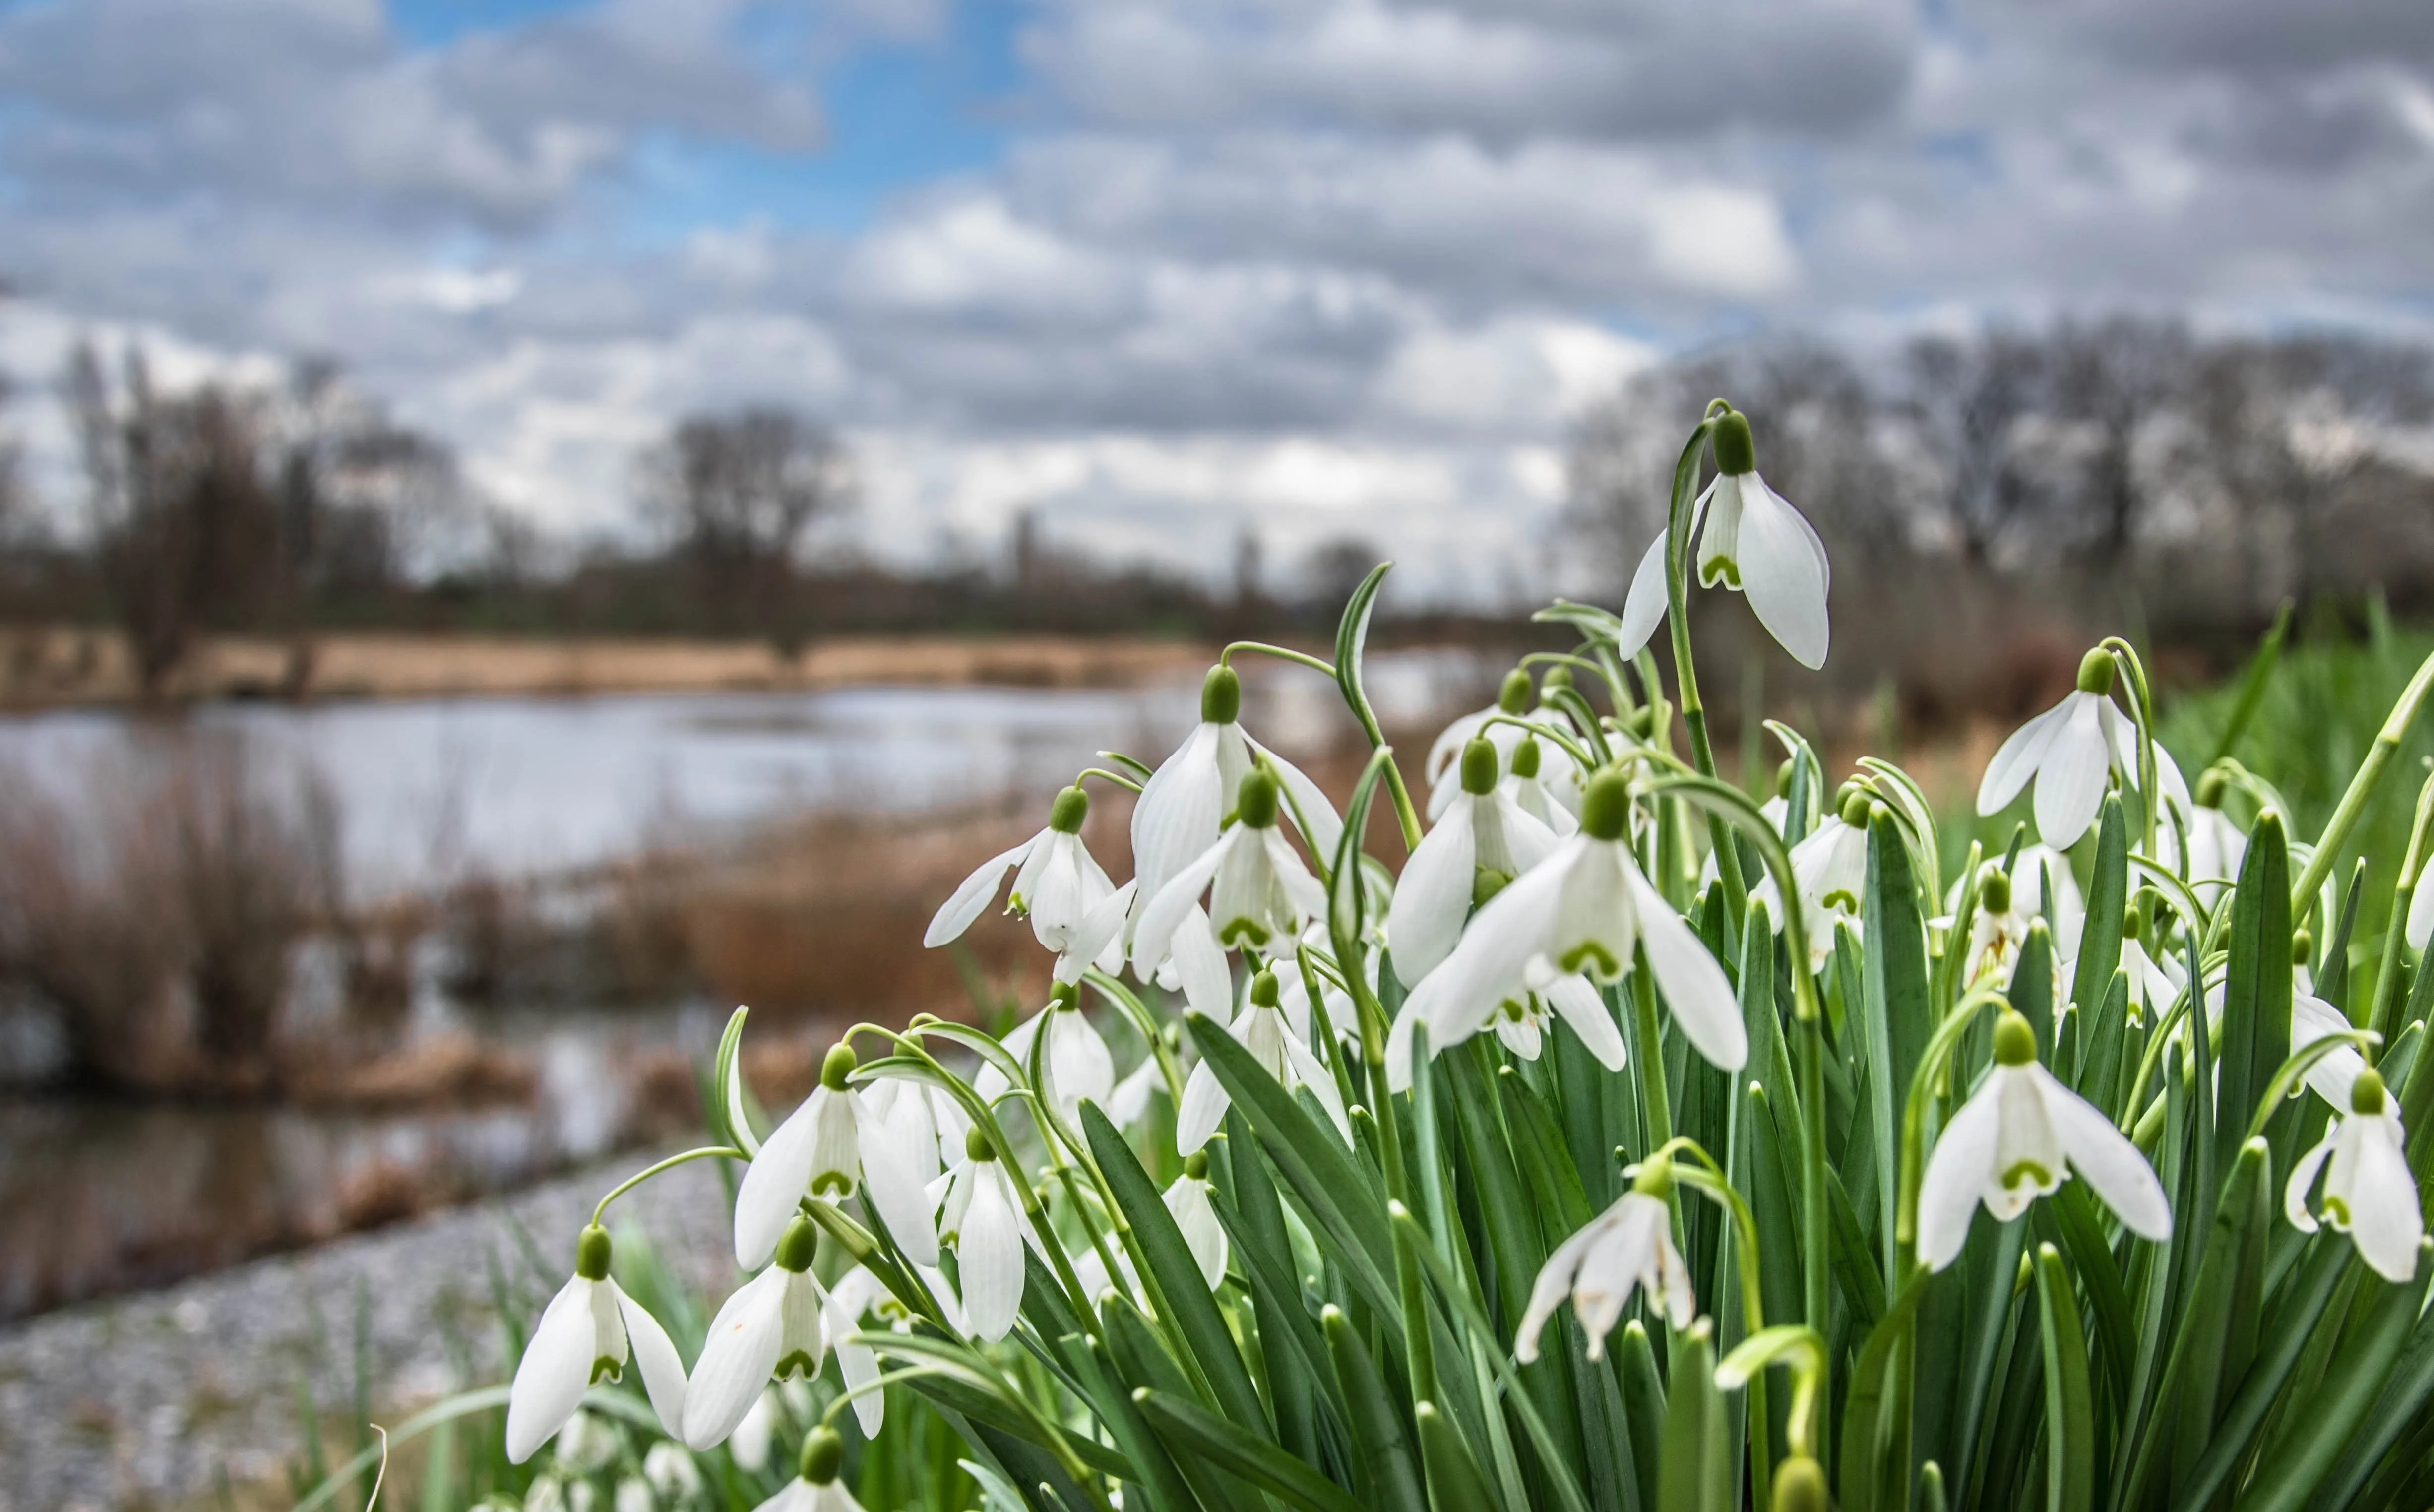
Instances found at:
x=1197 y=1433
x=2070 y=1402
x=2291 y=1471
x=1381 y=1445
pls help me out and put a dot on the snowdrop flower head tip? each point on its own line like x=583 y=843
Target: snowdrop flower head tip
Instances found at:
x=2017 y=1137
x=1585 y=909
x=2067 y=752
x=982 y=1221
x=586 y=1334
x=1628 y=1247
x=816 y=1486
x=1055 y=881
x=1262 y=1029
x=833 y=1144
x=775 y=1326
x=1483 y=841
x=1830 y=867
x=2368 y=1192
x=1188 y=1200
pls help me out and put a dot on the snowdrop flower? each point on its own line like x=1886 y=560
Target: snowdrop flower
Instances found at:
x=925 y=1124
x=1482 y=842
x=634 y=1495
x=2217 y=847
x=1512 y=698
x=1074 y=1063
x=670 y=1471
x=1188 y=1200
x=2420 y=927
x=1831 y=869
x=1628 y=1247
x=1261 y=1030
x=1128 y=1102
x=2370 y=1192
x=1585 y=908
x=1504 y=739
x=1997 y=933
x=1552 y=796
x=815 y=1487
x=2010 y=1143
x=1754 y=543
x=1057 y=883
x=778 y=1324
x=827 y=1147
x=983 y=1223
x=1183 y=805
x=1258 y=890
x=2334 y=1077
x=586 y=1331
x=2067 y=752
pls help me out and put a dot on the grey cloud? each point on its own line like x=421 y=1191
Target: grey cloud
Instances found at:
x=2244 y=38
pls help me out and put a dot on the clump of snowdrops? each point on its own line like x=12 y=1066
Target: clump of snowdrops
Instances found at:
x=1643 y=1146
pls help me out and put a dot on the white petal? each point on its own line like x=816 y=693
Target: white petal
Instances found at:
x=989 y=1252
x=956 y=914
x=775 y=1182
x=1555 y=1283
x=736 y=1358
x=1519 y=1036
x=2106 y=1159
x=2384 y=1221
x=1188 y=1200
x=1484 y=969
x=1528 y=840
x=2331 y=1078
x=1099 y=939
x=1079 y=1066
x=1584 y=1011
x=2070 y=779
x=897 y=1187
x=1326 y=826
x=1155 y=934
x=859 y=1367
x=1204 y=1102
x=1061 y=893
x=2303 y=1176
x=2421 y=910
x=1433 y=895
x=1783 y=573
x=749 y=1446
x=663 y=1371
x=555 y=1371
x=2017 y=760
x=1321 y=1082
x=1644 y=608
x=1956 y=1171
x=1177 y=813
x=1200 y=965
x=1301 y=889
x=1694 y=985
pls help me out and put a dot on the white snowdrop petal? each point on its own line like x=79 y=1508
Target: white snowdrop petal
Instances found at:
x=2384 y=1221
x=1204 y=1102
x=2017 y=760
x=1309 y=801
x=1433 y=897
x=2070 y=780
x=1308 y=1072
x=1783 y=573
x=1178 y=811
x=555 y=1371
x=2105 y=1159
x=858 y=1364
x=1200 y=966
x=989 y=1252
x=2303 y=1178
x=965 y=904
x=2420 y=927
x=1644 y=608
x=655 y=1355
x=1176 y=901
x=1956 y=1170
x=737 y=1355
x=1553 y=1284
x=1584 y=1010
x=1695 y=986
x=775 y=1181
x=1188 y=1201
x=1446 y=747
x=896 y=1185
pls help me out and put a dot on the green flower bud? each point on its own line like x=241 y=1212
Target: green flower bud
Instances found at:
x=823 y=1455
x=1263 y=989
x=1514 y=695
x=2096 y=672
x=1254 y=804
x=1220 y=696
x=1855 y=807
x=1525 y=757
x=838 y=1066
x=1995 y=892
x=1558 y=676
x=1479 y=766
x=798 y=1245
x=1606 y=808
x=2015 y=1042
x=1736 y=453
x=2366 y=1093
x=977 y=1145
x=1072 y=807
x=2303 y=947
x=1799 y=1486
x=591 y=1250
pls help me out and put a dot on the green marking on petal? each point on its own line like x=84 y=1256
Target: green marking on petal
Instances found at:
x=2337 y=1213
x=1587 y=950
x=604 y=1369
x=2028 y=1170
x=1238 y=930
x=1843 y=898
x=833 y=1183
x=798 y=1362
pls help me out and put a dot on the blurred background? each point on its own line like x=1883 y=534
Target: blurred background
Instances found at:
x=523 y=525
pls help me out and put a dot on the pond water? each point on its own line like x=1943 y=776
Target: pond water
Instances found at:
x=102 y=1195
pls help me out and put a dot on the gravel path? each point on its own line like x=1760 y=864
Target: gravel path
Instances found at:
x=140 y=1401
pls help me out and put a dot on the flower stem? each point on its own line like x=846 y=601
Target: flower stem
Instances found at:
x=1282 y=653
x=2362 y=788
x=705 y=1153
x=1685 y=672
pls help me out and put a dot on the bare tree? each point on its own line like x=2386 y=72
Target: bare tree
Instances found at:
x=738 y=493
x=1965 y=403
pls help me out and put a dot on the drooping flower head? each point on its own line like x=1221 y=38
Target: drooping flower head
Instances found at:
x=2370 y=1192
x=779 y=1325
x=1260 y=896
x=817 y=1485
x=1057 y=883
x=1624 y=1250
x=2067 y=752
x=833 y=1144
x=1259 y=1028
x=586 y=1334
x=1483 y=839
x=1187 y=1199
x=982 y=1221
x=1754 y=543
x=2019 y=1137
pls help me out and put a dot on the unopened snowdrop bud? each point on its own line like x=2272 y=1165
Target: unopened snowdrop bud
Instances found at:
x=1479 y=766
x=1606 y=808
x=1526 y=758
x=1072 y=807
x=1513 y=696
x=586 y=1334
x=1188 y=1200
x=1220 y=696
x=2370 y=1192
x=2018 y=1138
x=1799 y=1486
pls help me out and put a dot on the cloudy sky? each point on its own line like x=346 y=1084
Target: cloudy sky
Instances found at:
x=1160 y=267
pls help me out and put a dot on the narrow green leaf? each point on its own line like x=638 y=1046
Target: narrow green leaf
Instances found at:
x=1643 y=1409
x=1695 y=1465
x=2257 y=993
x=1351 y=640
x=1289 y=1343
x=1381 y=1447
x=1893 y=991
x=1864 y=1431
x=2082 y=1232
x=1455 y=1484
x=2252 y=684
x=2401 y=1406
x=2108 y=899
x=1197 y=1433
x=2290 y=1472
x=1181 y=1294
x=2071 y=1403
